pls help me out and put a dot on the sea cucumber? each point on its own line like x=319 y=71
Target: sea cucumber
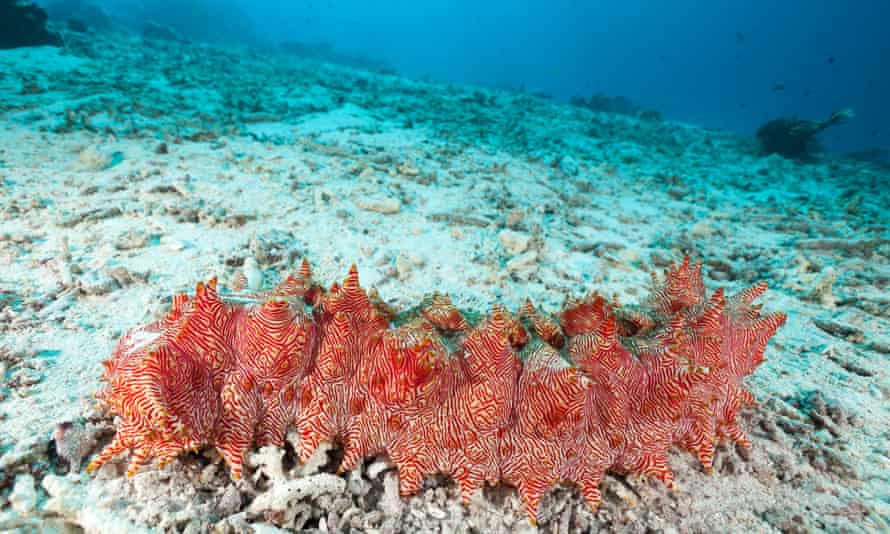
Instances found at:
x=528 y=399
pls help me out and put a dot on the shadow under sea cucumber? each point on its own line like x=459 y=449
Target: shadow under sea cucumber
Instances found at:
x=530 y=399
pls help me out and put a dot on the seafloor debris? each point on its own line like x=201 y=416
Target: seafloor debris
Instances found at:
x=480 y=400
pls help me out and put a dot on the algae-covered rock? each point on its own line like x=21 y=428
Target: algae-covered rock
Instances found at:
x=24 y=24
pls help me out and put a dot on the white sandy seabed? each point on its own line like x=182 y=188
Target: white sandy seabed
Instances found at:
x=131 y=170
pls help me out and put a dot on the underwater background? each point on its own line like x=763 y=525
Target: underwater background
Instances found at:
x=724 y=65
x=494 y=151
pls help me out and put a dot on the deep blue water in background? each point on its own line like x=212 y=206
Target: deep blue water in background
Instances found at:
x=720 y=64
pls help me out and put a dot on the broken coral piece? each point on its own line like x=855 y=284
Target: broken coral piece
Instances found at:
x=532 y=401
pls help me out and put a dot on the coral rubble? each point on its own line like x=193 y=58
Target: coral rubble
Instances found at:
x=530 y=400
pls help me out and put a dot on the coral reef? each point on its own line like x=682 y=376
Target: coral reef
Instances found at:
x=324 y=51
x=79 y=15
x=24 y=24
x=530 y=400
x=796 y=138
x=615 y=104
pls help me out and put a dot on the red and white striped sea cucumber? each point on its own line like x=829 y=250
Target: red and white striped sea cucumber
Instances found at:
x=530 y=400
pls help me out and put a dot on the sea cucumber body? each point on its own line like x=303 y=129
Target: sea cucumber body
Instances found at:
x=532 y=401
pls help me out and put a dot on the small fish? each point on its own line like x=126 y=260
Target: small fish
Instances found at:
x=831 y=60
x=779 y=87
